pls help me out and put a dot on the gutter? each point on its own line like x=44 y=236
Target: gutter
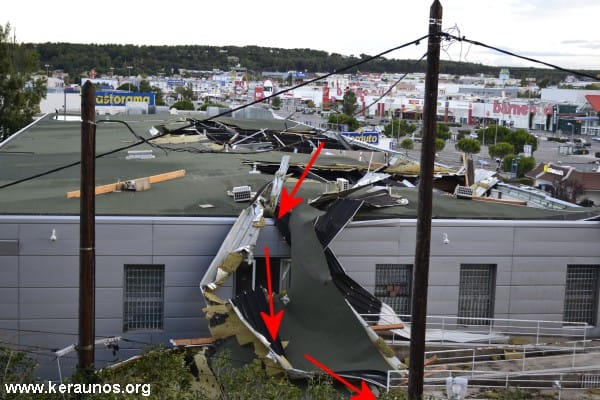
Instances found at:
x=22 y=130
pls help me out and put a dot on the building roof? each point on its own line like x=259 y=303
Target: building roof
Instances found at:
x=549 y=172
x=594 y=100
x=50 y=145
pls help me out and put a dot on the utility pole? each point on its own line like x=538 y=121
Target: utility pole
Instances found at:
x=423 y=238
x=87 y=227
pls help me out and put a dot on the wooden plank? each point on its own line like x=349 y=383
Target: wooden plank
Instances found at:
x=387 y=327
x=501 y=201
x=192 y=342
x=167 y=176
x=113 y=187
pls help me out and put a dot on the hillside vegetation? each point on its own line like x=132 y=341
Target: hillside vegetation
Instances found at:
x=78 y=59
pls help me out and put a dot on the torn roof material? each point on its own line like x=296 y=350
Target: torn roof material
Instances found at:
x=318 y=320
x=322 y=306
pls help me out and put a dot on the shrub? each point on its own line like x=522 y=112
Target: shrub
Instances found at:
x=183 y=105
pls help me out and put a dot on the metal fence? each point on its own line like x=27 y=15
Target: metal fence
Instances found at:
x=444 y=329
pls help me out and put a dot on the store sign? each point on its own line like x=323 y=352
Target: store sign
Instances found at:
x=367 y=137
x=120 y=99
x=551 y=170
x=519 y=109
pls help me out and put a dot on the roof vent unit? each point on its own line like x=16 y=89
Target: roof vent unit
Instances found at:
x=242 y=193
x=130 y=185
x=463 y=192
x=139 y=155
x=342 y=184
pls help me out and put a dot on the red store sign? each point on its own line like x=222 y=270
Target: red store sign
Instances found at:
x=519 y=109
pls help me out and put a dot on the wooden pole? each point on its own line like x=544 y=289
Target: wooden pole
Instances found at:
x=87 y=256
x=423 y=238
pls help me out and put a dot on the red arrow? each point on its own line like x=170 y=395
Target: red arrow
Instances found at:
x=272 y=320
x=364 y=393
x=288 y=201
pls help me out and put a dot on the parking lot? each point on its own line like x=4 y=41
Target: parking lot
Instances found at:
x=547 y=151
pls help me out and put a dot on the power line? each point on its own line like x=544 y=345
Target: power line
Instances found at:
x=141 y=140
x=335 y=72
x=388 y=91
x=510 y=53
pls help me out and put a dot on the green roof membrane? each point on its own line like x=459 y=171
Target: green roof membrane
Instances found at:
x=445 y=206
x=317 y=320
x=50 y=144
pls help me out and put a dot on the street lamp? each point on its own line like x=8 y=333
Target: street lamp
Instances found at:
x=496 y=135
x=129 y=78
x=572 y=133
x=47 y=70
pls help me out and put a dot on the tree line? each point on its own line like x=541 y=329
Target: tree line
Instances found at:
x=23 y=67
x=78 y=59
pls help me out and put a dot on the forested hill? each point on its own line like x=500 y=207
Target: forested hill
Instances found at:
x=152 y=60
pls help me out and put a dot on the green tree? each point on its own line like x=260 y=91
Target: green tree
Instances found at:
x=159 y=97
x=501 y=150
x=183 y=105
x=276 y=102
x=439 y=144
x=339 y=119
x=145 y=86
x=468 y=145
x=494 y=134
x=204 y=106
x=524 y=164
x=399 y=128
x=185 y=92
x=442 y=131
x=407 y=144
x=128 y=87
x=519 y=138
x=20 y=91
x=349 y=103
x=543 y=83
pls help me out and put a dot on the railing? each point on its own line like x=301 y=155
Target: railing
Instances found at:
x=493 y=328
x=508 y=364
x=518 y=358
x=542 y=379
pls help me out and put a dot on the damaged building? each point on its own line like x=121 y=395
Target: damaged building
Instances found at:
x=184 y=226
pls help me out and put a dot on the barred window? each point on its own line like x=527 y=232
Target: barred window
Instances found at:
x=393 y=286
x=581 y=294
x=144 y=297
x=476 y=293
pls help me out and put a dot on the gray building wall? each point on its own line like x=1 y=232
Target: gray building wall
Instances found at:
x=531 y=259
x=39 y=277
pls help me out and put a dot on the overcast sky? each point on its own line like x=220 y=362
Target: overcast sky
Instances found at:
x=561 y=32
